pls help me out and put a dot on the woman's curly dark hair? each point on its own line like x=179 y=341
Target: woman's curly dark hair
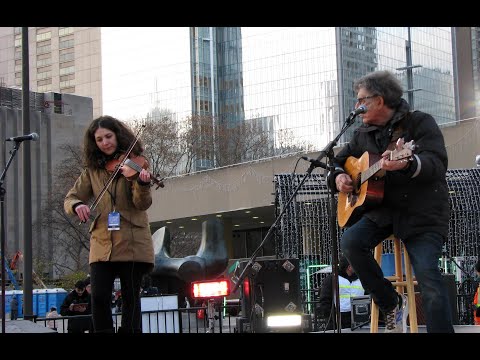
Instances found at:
x=93 y=156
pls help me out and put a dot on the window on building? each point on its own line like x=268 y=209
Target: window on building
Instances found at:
x=66 y=42
x=44 y=73
x=204 y=105
x=69 y=90
x=44 y=82
x=67 y=77
x=66 y=55
x=44 y=88
x=67 y=64
x=66 y=84
x=43 y=47
x=18 y=65
x=63 y=31
x=44 y=36
x=44 y=59
x=67 y=70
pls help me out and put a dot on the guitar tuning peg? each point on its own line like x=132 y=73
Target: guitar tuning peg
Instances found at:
x=410 y=145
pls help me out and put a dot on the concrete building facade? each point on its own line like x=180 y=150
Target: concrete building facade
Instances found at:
x=62 y=122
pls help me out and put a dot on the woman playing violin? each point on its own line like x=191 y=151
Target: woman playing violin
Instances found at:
x=121 y=243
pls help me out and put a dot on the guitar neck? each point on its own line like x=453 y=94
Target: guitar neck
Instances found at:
x=372 y=170
x=394 y=155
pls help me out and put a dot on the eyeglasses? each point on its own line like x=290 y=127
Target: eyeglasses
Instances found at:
x=360 y=101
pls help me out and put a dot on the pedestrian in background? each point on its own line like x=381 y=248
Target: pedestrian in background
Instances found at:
x=14 y=308
x=52 y=315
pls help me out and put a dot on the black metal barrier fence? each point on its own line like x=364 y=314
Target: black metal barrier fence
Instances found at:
x=195 y=320
x=181 y=320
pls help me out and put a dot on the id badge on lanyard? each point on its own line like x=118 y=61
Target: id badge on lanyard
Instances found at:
x=114 y=221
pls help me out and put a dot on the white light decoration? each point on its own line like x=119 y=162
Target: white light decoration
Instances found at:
x=284 y=320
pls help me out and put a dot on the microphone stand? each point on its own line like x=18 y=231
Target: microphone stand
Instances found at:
x=468 y=276
x=327 y=151
x=3 y=234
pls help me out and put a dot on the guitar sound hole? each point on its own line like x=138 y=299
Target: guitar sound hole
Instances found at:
x=352 y=199
x=356 y=184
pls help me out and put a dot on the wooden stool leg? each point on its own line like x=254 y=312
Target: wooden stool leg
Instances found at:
x=412 y=308
x=398 y=282
x=374 y=311
x=397 y=250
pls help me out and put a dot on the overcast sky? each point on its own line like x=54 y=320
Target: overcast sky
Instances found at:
x=140 y=61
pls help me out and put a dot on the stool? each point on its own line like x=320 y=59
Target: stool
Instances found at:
x=398 y=282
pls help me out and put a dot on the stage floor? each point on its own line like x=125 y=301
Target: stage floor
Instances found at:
x=24 y=326
x=421 y=329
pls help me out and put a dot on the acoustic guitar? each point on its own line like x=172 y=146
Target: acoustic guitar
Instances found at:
x=368 y=183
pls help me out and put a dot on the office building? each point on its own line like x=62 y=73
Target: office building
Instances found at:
x=64 y=60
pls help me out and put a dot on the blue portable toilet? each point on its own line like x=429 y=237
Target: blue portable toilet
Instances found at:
x=55 y=298
x=35 y=302
x=19 y=294
x=41 y=302
x=8 y=298
x=388 y=264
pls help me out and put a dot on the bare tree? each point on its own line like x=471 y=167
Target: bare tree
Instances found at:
x=196 y=142
x=159 y=136
x=244 y=142
x=68 y=243
x=287 y=143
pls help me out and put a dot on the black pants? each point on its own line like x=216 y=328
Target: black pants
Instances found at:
x=102 y=277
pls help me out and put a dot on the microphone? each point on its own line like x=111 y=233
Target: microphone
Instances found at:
x=360 y=110
x=316 y=162
x=32 y=136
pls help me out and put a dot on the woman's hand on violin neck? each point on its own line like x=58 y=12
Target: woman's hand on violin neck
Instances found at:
x=144 y=176
x=83 y=212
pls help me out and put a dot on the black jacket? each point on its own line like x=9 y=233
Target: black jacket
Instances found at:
x=416 y=199
x=81 y=324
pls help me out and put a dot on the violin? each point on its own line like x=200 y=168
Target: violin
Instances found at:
x=132 y=166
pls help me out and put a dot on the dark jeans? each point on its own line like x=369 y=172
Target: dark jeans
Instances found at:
x=102 y=276
x=424 y=250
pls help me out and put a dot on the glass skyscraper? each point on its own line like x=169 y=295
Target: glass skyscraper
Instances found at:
x=301 y=79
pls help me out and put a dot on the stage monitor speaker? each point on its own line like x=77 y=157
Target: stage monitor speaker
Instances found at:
x=271 y=287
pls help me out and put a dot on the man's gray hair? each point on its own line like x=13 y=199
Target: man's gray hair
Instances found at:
x=384 y=84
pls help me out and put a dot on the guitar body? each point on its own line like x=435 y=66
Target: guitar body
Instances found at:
x=364 y=196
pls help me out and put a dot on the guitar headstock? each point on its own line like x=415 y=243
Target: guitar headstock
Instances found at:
x=403 y=150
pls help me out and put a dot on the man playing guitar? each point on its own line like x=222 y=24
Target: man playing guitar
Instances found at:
x=411 y=201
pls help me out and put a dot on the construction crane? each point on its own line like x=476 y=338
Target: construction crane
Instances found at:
x=10 y=275
x=13 y=266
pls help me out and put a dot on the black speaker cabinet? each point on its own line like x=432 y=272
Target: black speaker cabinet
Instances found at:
x=271 y=287
x=360 y=310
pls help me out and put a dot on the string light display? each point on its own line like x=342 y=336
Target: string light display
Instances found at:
x=304 y=232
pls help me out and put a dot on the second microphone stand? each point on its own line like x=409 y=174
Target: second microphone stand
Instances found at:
x=326 y=152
